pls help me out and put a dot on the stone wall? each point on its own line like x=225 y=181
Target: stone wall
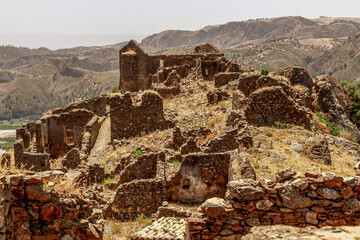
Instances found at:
x=133 y=68
x=270 y=104
x=144 y=167
x=61 y=133
x=73 y=126
x=201 y=176
x=30 y=161
x=297 y=200
x=137 y=68
x=90 y=134
x=137 y=197
x=224 y=78
x=97 y=105
x=128 y=119
x=29 y=211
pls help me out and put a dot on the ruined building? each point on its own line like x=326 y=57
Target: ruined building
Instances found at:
x=196 y=164
x=77 y=125
x=137 y=69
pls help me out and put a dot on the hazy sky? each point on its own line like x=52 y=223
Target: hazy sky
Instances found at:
x=67 y=23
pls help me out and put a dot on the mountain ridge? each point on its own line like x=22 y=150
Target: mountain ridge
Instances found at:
x=252 y=31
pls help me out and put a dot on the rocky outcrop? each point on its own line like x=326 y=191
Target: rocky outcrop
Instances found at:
x=331 y=100
x=297 y=76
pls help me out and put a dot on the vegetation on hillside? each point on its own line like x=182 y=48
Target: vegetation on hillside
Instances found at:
x=352 y=91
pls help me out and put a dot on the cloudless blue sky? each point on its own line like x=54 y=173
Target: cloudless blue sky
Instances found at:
x=67 y=23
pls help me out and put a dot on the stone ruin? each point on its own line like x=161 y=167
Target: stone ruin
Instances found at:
x=128 y=120
x=76 y=127
x=296 y=200
x=207 y=169
x=138 y=70
x=29 y=210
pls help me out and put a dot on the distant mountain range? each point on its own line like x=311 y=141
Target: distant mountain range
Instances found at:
x=34 y=80
x=254 y=32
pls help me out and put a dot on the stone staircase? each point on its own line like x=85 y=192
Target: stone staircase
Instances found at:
x=171 y=228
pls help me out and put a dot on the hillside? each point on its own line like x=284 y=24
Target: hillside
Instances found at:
x=342 y=61
x=33 y=81
x=253 y=32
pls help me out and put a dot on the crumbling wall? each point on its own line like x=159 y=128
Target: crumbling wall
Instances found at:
x=201 y=176
x=29 y=211
x=267 y=105
x=75 y=125
x=137 y=68
x=297 y=200
x=63 y=132
x=137 y=197
x=30 y=160
x=225 y=77
x=129 y=120
x=90 y=134
x=144 y=167
x=97 y=105
x=212 y=66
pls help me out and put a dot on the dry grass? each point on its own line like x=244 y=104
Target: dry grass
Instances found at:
x=277 y=154
x=56 y=163
x=348 y=135
x=154 y=141
x=12 y=169
x=124 y=230
x=63 y=185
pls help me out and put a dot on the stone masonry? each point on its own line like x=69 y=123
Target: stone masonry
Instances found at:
x=298 y=200
x=30 y=211
x=128 y=119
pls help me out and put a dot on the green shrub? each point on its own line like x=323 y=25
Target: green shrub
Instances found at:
x=115 y=89
x=264 y=72
x=269 y=133
x=107 y=181
x=334 y=128
x=211 y=122
x=6 y=127
x=176 y=162
x=144 y=220
x=222 y=103
x=7 y=145
x=280 y=124
x=352 y=91
x=27 y=150
x=137 y=153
